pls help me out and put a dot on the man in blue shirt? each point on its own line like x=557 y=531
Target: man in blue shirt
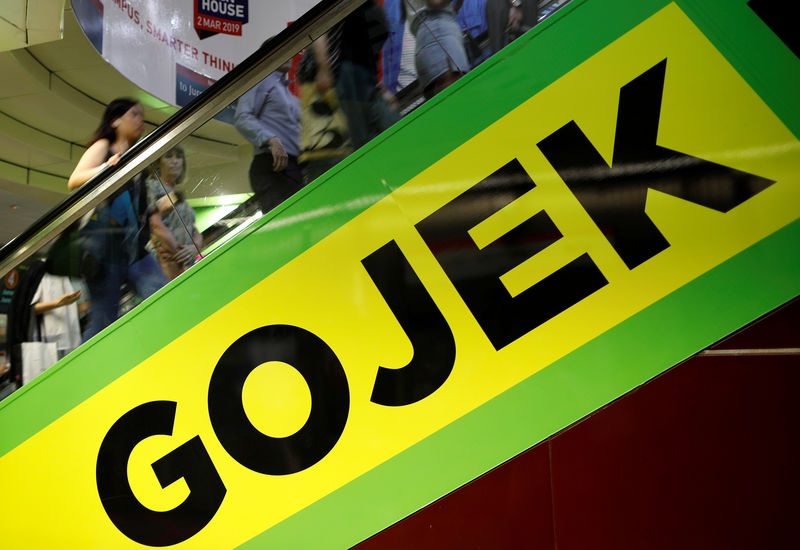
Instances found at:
x=268 y=116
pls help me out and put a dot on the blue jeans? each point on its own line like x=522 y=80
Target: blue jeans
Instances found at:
x=144 y=276
x=440 y=47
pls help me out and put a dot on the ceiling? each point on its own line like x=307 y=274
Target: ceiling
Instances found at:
x=21 y=25
x=52 y=95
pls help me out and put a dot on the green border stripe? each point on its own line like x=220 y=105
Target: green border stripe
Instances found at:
x=764 y=276
x=757 y=54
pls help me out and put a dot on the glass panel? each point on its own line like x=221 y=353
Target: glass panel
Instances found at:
x=365 y=74
x=97 y=270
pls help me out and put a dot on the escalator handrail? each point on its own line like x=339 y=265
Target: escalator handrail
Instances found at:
x=197 y=112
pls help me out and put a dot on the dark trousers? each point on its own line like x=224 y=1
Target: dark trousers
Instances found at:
x=366 y=111
x=144 y=276
x=497 y=21
x=271 y=187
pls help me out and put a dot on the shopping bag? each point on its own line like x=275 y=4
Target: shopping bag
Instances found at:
x=37 y=357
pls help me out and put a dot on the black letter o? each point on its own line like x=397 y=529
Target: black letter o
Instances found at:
x=327 y=383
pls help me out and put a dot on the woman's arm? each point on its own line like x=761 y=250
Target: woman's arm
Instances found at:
x=65 y=300
x=186 y=252
x=160 y=232
x=166 y=203
x=91 y=163
x=324 y=78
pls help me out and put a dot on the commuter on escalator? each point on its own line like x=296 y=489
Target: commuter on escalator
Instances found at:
x=268 y=116
x=113 y=239
x=392 y=53
x=471 y=16
x=167 y=173
x=56 y=308
x=508 y=19
x=441 y=57
x=343 y=67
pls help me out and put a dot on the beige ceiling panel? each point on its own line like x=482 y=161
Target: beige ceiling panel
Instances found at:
x=219 y=131
x=159 y=114
x=222 y=151
x=13 y=11
x=18 y=153
x=150 y=102
x=61 y=168
x=74 y=51
x=75 y=98
x=11 y=36
x=15 y=152
x=12 y=172
x=104 y=84
x=213 y=129
x=40 y=161
x=44 y=19
x=51 y=115
x=31 y=67
x=32 y=137
x=21 y=25
x=38 y=194
x=18 y=81
x=48 y=182
x=37 y=36
x=75 y=153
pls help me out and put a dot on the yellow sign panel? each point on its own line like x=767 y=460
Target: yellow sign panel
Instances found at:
x=329 y=300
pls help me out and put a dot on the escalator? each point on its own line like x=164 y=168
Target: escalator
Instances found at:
x=606 y=197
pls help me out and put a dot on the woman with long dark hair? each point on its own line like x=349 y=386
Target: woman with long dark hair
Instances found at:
x=121 y=126
x=113 y=240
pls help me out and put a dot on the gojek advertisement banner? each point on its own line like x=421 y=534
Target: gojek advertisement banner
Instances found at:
x=606 y=226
